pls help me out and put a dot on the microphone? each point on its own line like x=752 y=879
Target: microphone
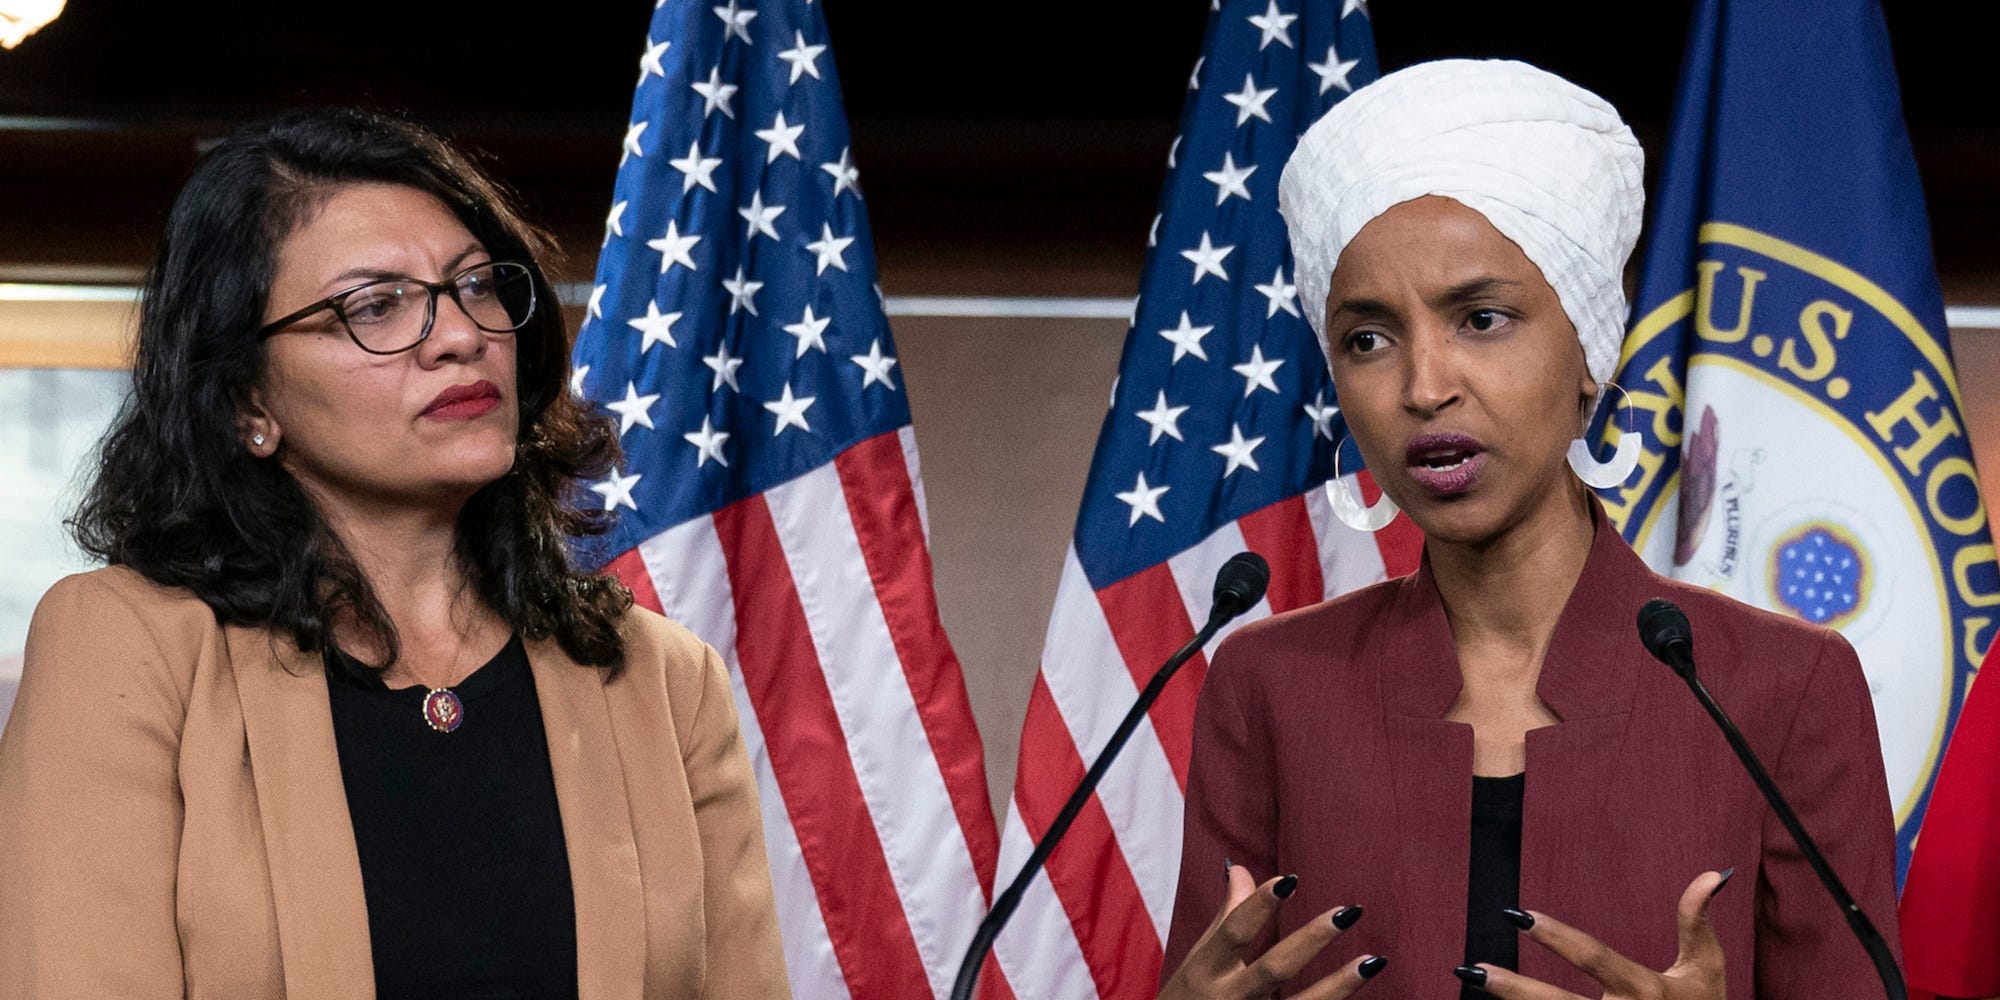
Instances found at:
x=1665 y=631
x=1239 y=585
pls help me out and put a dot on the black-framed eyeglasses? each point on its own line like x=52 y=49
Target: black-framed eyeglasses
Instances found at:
x=388 y=315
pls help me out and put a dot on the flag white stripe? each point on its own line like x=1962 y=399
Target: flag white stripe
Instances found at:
x=901 y=784
x=1194 y=576
x=1092 y=691
x=694 y=590
x=908 y=437
x=1039 y=949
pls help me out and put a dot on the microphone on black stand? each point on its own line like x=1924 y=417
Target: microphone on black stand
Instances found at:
x=1239 y=585
x=1664 y=629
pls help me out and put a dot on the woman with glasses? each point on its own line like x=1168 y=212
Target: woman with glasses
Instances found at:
x=340 y=718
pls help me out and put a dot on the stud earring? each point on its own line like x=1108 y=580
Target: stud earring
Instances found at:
x=1349 y=508
x=1625 y=458
x=257 y=439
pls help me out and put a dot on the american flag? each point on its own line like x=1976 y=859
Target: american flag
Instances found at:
x=770 y=498
x=1220 y=437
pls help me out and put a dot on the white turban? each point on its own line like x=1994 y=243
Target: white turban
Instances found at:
x=1549 y=164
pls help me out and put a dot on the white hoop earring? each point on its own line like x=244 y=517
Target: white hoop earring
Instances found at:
x=1348 y=507
x=1625 y=458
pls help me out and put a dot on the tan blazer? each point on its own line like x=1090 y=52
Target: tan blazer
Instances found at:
x=172 y=819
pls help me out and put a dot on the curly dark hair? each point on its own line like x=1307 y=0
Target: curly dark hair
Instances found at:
x=179 y=499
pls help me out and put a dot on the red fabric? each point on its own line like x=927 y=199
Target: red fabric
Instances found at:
x=1951 y=899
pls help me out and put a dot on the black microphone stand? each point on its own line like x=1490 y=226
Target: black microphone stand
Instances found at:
x=1010 y=898
x=1679 y=655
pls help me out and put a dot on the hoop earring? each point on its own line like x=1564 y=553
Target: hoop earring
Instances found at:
x=1348 y=507
x=1625 y=458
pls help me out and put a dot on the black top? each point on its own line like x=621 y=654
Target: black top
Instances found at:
x=1495 y=875
x=463 y=862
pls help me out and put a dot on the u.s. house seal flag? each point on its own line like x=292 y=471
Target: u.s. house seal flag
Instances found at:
x=1789 y=371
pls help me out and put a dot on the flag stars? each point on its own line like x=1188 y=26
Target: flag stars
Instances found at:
x=708 y=444
x=1194 y=75
x=1280 y=294
x=715 y=94
x=1229 y=179
x=830 y=249
x=1275 y=24
x=783 y=139
x=631 y=146
x=595 y=308
x=1250 y=101
x=1241 y=453
x=1321 y=413
x=803 y=58
x=617 y=490
x=1144 y=501
x=698 y=169
x=810 y=330
x=735 y=21
x=674 y=247
x=724 y=365
x=791 y=411
x=1257 y=372
x=1333 y=72
x=576 y=377
x=760 y=216
x=633 y=410
x=845 y=176
x=1164 y=420
x=649 y=61
x=614 y=224
x=1207 y=259
x=875 y=366
x=1353 y=5
x=742 y=292
x=656 y=327
x=1186 y=339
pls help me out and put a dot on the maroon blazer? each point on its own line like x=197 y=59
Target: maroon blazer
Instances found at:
x=1321 y=748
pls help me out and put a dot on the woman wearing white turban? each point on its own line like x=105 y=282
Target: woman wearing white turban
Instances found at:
x=1483 y=751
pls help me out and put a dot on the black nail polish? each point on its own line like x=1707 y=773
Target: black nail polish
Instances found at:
x=1519 y=918
x=1345 y=917
x=1226 y=866
x=1372 y=965
x=1726 y=874
x=1284 y=887
x=1471 y=974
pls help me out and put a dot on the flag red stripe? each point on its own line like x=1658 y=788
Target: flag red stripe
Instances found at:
x=1283 y=534
x=630 y=570
x=876 y=482
x=1087 y=870
x=1149 y=622
x=864 y=916
x=1401 y=543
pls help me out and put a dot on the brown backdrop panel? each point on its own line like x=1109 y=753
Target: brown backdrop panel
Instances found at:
x=1007 y=413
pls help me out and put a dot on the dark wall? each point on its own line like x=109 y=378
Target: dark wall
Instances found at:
x=987 y=132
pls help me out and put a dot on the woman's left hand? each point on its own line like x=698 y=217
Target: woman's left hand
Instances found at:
x=1695 y=975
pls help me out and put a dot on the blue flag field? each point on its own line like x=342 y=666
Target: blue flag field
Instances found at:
x=1790 y=371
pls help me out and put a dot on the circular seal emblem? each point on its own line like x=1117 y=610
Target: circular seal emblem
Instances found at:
x=442 y=710
x=1804 y=452
x=1820 y=574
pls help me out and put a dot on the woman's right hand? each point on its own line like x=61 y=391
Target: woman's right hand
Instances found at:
x=1214 y=968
